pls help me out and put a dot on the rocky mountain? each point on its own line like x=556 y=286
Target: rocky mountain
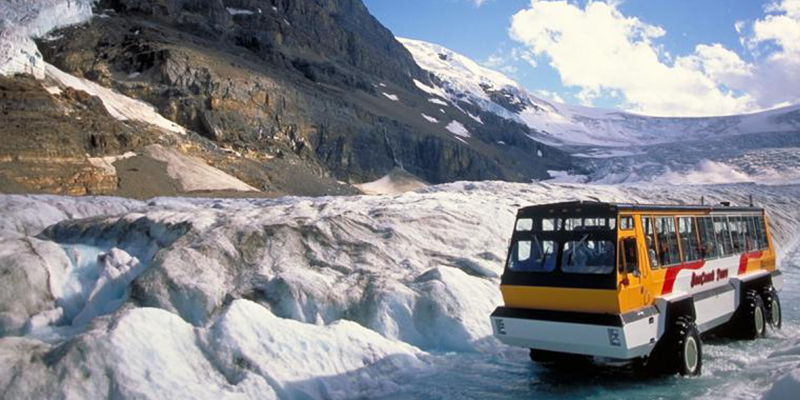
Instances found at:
x=301 y=97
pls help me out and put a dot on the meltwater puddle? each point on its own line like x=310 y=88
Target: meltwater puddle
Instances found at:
x=94 y=283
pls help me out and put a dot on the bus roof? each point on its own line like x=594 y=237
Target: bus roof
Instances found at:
x=596 y=207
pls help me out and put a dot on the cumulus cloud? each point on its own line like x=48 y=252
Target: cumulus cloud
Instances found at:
x=776 y=38
x=603 y=53
x=494 y=61
x=546 y=94
x=599 y=50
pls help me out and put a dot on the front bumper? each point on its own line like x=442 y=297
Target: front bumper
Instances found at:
x=620 y=336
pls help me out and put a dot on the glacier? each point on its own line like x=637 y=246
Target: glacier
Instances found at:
x=22 y=20
x=337 y=297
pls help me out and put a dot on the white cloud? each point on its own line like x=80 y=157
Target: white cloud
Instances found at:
x=519 y=53
x=509 y=69
x=494 y=61
x=599 y=50
x=554 y=96
x=776 y=37
x=604 y=53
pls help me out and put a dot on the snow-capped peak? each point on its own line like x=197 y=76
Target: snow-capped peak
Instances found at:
x=464 y=80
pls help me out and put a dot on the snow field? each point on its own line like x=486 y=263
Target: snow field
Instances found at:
x=21 y=21
x=119 y=106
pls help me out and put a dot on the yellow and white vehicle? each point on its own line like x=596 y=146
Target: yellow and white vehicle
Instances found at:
x=636 y=282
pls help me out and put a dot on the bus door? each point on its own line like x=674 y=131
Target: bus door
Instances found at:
x=632 y=271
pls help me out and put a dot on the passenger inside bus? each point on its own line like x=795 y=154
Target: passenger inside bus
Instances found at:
x=588 y=256
x=651 y=252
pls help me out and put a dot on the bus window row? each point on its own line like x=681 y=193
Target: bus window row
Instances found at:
x=674 y=240
x=579 y=224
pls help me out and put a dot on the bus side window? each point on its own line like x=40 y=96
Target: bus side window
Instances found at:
x=667 y=241
x=625 y=223
x=631 y=257
x=760 y=241
x=750 y=236
x=689 y=245
x=762 y=229
x=650 y=243
x=735 y=226
x=710 y=247
x=723 y=235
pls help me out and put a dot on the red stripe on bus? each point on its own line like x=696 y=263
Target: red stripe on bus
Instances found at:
x=744 y=258
x=672 y=274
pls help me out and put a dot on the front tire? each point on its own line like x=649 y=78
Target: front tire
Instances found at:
x=752 y=316
x=689 y=347
x=679 y=351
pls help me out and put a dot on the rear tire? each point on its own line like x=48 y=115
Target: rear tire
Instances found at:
x=752 y=320
x=774 y=312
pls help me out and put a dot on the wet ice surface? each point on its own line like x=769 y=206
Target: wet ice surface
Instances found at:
x=733 y=369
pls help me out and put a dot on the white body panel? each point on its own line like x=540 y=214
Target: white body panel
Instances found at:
x=629 y=341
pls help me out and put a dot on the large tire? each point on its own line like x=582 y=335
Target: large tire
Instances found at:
x=688 y=347
x=751 y=316
x=772 y=303
x=680 y=351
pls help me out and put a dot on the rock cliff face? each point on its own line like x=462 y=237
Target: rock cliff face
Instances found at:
x=304 y=93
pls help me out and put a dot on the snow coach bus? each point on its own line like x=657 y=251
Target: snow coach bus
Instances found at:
x=636 y=282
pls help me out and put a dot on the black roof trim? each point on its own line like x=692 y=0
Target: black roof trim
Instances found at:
x=598 y=206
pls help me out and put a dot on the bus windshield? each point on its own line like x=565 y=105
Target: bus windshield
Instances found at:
x=567 y=250
x=573 y=254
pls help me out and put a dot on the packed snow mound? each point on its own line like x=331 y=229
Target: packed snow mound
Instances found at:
x=462 y=79
x=293 y=297
x=396 y=181
x=193 y=174
x=23 y=20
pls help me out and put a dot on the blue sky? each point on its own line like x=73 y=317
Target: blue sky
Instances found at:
x=727 y=66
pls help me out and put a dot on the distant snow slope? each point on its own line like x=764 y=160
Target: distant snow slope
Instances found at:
x=118 y=105
x=194 y=174
x=292 y=298
x=465 y=80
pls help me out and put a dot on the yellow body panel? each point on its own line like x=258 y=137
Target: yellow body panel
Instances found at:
x=561 y=299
